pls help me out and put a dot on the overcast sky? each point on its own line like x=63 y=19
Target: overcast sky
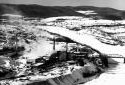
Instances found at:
x=118 y=4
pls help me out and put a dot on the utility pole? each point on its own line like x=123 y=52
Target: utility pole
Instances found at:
x=66 y=46
x=66 y=50
x=54 y=43
x=77 y=47
x=15 y=42
x=124 y=60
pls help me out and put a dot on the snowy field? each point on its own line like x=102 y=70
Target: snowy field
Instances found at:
x=114 y=75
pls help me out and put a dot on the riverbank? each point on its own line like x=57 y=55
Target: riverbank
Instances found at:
x=114 y=75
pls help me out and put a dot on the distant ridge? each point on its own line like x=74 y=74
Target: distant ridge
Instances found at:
x=54 y=11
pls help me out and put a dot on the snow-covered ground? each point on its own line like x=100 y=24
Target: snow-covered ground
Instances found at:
x=88 y=12
x=13 y=15
x=113 y=76
x=78 y=20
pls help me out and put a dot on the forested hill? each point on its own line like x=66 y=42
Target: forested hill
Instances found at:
x=54 y=11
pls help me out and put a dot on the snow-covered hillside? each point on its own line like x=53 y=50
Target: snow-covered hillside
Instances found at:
x=88 y=12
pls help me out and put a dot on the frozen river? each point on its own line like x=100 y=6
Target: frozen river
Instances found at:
x=115 y=75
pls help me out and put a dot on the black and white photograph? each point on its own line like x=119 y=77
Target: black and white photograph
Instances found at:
x=62 y=42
